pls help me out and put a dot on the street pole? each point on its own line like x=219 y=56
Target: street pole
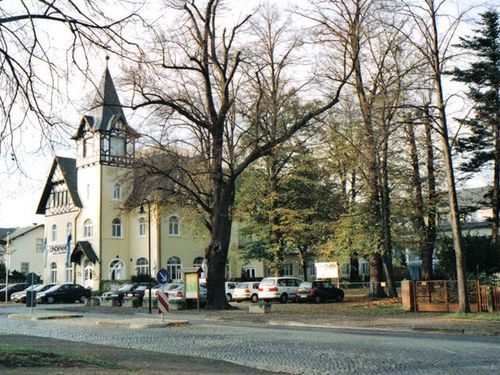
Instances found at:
x=7 y=266
x=149 y=252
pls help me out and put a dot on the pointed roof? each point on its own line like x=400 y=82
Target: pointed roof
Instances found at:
x=68 y=170
x=106 y=109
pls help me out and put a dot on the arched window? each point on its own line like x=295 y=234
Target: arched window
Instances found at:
x=142 y=266
x=87 y=228
x=116 y=228
x=53 y=233
x=116 y=270
x=173 y=225
x=53 y=272
x=197 y=262
x=142 y=227
x=117 y=192
x=174 y=268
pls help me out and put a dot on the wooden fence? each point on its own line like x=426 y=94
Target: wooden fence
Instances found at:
x=442 y=295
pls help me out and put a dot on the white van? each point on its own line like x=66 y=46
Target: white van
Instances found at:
x=282 y=288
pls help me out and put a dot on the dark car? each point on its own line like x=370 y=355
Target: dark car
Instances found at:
x=10 y=289
x=318 y=291
x=68 y=293
x=141 y=291
x=118 y=294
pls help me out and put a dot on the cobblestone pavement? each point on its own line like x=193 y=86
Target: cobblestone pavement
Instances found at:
x=293 y=350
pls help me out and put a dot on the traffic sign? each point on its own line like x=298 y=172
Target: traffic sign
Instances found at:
x=162 y=303
x=162 y=276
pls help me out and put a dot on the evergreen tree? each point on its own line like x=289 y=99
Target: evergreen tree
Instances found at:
x=483 y=80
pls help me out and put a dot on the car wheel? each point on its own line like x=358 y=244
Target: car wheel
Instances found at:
x=51 y=300
x=317 y=299
x=254 y=298
x=82 y=299
x=284 y=298
x=340 y=297
x=229 y=297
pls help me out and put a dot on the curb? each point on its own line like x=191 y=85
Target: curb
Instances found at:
x=43 y=317
x=138 y=325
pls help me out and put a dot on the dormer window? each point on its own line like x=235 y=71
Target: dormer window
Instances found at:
x=88 y=147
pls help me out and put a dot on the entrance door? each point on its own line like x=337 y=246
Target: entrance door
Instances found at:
x=88 y=280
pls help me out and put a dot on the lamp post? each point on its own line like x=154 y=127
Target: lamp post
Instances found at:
x=7 y=266
x=141 y=211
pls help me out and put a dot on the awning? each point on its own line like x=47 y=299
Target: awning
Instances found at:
x=83 y=248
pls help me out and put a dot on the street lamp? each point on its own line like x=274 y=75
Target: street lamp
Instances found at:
x=141 y=211
x=7 y=266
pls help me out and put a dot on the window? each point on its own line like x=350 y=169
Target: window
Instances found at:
x=88 y=147
x=88 y=191
x=117 y=192
x=39 y=245
x=142 y=227
x=116 y=270
x=69 y=229
x=69 y=274
x=174 y=268
x=173 y=226
x=53 y=273
x=364 y=269
x=117 y=147
x=287 y=269
x=87 y=228
x=142 y=266
x=116 y=228
x=249 y=272
x=197 y=262
x=25 y=268
x=312 y=269
x=53 y=235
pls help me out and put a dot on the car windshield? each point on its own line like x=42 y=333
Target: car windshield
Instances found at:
x=267 y=282
x=32 y=287
x=41 y=288
x=306 y=284
x=126 y=287
x=173 y=286
x=55 y=287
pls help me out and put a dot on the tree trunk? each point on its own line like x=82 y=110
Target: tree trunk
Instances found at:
x=419 y=220
x=218 y=248
x=431 y=231
x=463 y=300
x=496 y=176
x=386 y=218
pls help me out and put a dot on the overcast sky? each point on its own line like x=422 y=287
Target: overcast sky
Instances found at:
x=20 y=191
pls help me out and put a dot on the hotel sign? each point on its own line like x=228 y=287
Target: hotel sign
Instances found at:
x=58 y=249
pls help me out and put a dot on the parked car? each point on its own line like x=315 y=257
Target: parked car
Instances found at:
x=142 y=292
x=20 y=297
x=118 y=294
x=318 y=291
x=248 y=291
x=175 y=292
x=279 y=288
x=230 y=290
x=68 y=293
x=11 y=289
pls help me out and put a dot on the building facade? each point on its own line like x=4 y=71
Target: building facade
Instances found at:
x=92 y=237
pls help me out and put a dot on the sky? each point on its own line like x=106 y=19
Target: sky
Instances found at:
x=20 y=189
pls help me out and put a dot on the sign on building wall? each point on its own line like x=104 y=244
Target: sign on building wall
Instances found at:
x=327 y=270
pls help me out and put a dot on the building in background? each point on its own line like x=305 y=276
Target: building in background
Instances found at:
x=94 y=235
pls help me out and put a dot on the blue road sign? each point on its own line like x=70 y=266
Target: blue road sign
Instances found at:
x=162 y=276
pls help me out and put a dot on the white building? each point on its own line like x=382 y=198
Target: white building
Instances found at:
x=91 y=238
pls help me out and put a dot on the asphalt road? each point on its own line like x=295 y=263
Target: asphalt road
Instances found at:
x=287 y=349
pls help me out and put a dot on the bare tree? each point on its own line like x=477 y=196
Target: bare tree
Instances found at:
x=433 y=45
x=194 y=78
x=31 y=32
